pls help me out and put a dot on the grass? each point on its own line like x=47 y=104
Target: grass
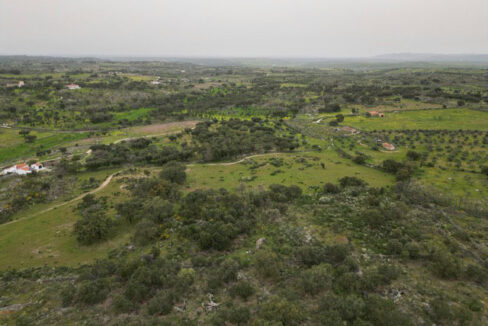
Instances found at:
x=48 y=239
x=132 y=114
x=450 y=119
x=302 y=169
x=13 y=146
x=456 y=183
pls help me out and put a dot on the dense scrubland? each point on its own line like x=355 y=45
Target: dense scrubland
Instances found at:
x=185 y=194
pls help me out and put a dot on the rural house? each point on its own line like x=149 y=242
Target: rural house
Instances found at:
x=73 y=86
x=376 y=114
x=19 y=84
x=23 y=169
x=350 y=130
x=388 y=146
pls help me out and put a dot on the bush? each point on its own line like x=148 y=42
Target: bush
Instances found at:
x=174 y=172
x=122 y=305
x=161 y=304
x=267 y=264
x=476 y=274
x=92 y=292
x=316 y=279
x=445 y=265
x=93 y=227
x=331 y=188
x=374 y=218
x=146 y=232
x=242 y=289
x=68 y=294
x=351 y=182
x=282 y=311
x=394 y=247
x=413 y=155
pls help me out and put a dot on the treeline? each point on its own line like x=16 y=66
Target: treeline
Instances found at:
x=210 y=141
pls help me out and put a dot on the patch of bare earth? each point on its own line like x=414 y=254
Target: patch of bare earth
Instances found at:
x=163 y=127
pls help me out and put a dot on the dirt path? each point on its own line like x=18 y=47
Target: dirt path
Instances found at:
x=103 y=185
x=248 y=157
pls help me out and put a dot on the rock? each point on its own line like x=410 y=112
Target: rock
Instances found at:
x=259 y=243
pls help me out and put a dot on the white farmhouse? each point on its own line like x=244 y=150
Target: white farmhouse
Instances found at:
x=73 y=86
x=23 y=169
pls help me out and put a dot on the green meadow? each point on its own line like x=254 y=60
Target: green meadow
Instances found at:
x=450 y=119
x=38 y=237
x=302 y=169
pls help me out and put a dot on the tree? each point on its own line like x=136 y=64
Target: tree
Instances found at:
x=413 y=155
x=93 y=227
x=174 y=172
x=484 y=170
x=340 y=118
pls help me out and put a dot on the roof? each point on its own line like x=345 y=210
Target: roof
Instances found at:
x=388 y=146
x=22 y=166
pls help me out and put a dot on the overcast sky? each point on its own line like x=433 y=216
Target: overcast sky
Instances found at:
x=242 y=28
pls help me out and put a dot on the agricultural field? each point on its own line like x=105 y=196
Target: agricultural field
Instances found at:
x=177 y=193
x=448 y=119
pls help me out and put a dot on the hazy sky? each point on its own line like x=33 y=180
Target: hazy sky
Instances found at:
x=305 y=28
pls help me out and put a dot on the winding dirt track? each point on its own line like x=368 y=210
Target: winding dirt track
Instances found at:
x=103 y=185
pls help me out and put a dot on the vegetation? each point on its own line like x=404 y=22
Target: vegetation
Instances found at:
x=181 y=194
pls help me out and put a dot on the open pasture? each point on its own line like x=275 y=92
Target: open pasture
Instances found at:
x=450 y=119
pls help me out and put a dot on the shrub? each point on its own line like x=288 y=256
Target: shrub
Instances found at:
x=91 y=292
x=351 y=182
x=267 y=264
x=122 y=305
x=280 y=310
x=161 y=304
x=146 y=232
x=68 y=294
x=413 y=155
x=316 y=279
x=394 y=247
x=445 y=265
x=95 y=226
x=476 y=273
x=243 y=290
x=374 y=218
x=174 y=172
x=331 y=188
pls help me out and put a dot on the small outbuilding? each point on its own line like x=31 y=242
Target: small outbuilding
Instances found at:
x=388 y=146
x=72 y=86
x=376 y=114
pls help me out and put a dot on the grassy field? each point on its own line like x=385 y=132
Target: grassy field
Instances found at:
x=302 y=169
x=13 y=146
x=47 y=238
x=451 y=119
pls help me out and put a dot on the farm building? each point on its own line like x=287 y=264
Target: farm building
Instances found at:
x=19 y=84
x=388 y=146
x=350 y=130
x=376 y=114
x=23 y=169
x=73 y=86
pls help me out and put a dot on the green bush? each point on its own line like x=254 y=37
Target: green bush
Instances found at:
x=68 y=294
x=445 y=265
x=267 y=264
x=95 y=226
x=174 y=172
x=92 y=292
x=242 y=289
x=277 y=309
x=316 y=279
x=122 y=305
x=161 y=304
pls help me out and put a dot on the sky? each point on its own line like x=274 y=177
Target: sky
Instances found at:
x=242 y=28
